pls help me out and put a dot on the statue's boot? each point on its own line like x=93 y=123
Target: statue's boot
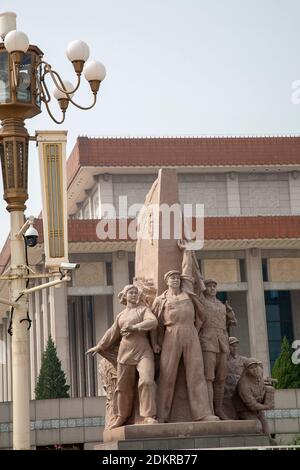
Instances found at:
x=210 y=418
x=150 y=420
x=218 y=400
x=264 y=422
x=119 y=421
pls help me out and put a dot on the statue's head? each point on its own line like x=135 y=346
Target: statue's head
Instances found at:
x=253 y=367
x=233 y=345
x=129 y=293
x=211 y=287
x=172 y=278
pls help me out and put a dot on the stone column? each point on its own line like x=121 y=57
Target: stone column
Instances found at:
x=101 y=325
x=90 y=204
x=9 y=367
x=72 y=347
x=258 y=334
x=233 y=194
x=88 y=376
x=105 y=191
x=238 y=302
x=294 y=187
x=59 y=325
x=79 y=349
x=120 y=274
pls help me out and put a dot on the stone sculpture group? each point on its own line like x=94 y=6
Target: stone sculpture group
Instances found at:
x=171 y=358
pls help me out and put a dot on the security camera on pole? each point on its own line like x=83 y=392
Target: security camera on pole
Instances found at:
x=24 y=77
x=31 y=236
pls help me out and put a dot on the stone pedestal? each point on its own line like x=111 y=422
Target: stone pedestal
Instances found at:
x=194 y=435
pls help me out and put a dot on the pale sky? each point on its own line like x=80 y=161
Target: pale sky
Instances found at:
x=174 y=67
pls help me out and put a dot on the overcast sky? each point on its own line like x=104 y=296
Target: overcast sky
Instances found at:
x=174 y=67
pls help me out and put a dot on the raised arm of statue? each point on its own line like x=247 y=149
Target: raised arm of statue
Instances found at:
x=157 y=334
x=197 y=274
x=191 y=275
x=187 y=279
x=230 y=315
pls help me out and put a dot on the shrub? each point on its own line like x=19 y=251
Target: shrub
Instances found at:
x=51 y=382
x=287 y=373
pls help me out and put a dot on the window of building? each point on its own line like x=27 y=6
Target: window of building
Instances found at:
x=242 y=264
x=109 y=278
x=265 y=271
x=279 y=321
x=200 y=264
x=81 y=338
x=131 y=270
x=222 y=296
x=78 y=215
x=86 y=211
x=2 y=353
x=95 y=205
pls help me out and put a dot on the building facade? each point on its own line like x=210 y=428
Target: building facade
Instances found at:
x=250 y=188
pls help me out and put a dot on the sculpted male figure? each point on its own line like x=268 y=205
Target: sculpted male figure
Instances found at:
x=236 y=362
x=235 y=367
x=214 y=342
x=178 y=327
x=135 y=354
x=253 y=395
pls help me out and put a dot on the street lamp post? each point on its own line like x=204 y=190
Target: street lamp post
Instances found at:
x=23 y=88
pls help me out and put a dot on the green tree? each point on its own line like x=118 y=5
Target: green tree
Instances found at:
x=287 y=373
x=51 y=382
